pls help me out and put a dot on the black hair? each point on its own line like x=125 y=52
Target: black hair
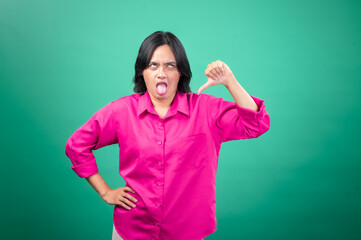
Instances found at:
x=145 y=53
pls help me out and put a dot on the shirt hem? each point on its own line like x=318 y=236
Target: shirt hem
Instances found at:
x=211 y=232
x=116 y=226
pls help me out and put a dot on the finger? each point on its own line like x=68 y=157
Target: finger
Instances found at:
x=212 y=75
x=214 y=68
x=204 y=86
x=221 y=65
x=129 y=203
x=217 y=69
x=124 y=205
x=129 y=189
x=219 y=62
x=216 y=74
x=130 y=197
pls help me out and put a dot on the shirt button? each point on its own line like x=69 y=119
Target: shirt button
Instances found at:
x=159 y=163
x=160 y=124
x=157 y=224
x=159 y=184
x=159 y=142
x=158 y=204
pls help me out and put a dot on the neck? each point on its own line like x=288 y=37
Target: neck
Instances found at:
x=162 y=104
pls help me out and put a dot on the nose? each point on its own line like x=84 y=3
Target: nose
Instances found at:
x=161 y=73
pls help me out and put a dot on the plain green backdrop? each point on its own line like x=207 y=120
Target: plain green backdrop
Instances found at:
x=62 y=60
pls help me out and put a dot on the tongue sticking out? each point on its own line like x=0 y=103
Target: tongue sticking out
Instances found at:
x=161 y=88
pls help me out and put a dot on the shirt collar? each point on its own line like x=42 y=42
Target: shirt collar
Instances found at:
x=180 y=104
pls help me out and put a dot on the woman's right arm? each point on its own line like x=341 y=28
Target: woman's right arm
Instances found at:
x=97 y=132
x=111 y=196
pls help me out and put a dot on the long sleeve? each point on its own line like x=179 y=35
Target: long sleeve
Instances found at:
x=232 y=122
x=97 y=132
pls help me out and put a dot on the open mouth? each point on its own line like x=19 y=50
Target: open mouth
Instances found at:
x=161 y=88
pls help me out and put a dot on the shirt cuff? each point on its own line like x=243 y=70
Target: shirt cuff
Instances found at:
x=86 y=169
x=246 y=113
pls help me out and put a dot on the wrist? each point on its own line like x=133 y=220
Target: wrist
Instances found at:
x=104 y=193
x=231 y=81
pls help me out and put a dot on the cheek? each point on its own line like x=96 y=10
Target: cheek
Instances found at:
x=175 y=83
x=175 y=77
x=148 y=78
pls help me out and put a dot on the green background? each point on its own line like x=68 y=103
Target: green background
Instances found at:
x=62 y=60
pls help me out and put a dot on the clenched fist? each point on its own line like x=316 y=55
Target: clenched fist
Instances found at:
x=217 y=73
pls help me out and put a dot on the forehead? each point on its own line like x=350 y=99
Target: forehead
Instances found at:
x=163 y=53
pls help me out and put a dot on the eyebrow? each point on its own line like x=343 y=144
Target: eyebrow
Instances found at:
x=165 y=63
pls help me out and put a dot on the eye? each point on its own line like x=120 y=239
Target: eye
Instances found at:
x=152 y=65
x=171 y=65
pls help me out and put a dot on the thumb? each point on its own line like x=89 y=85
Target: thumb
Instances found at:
x=204 y=86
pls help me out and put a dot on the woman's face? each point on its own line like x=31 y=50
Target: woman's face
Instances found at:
x=161 y=75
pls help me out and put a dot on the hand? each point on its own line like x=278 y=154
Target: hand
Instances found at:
x=217 y=73
x=120 y=197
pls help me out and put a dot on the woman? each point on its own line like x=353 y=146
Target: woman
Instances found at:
x=169 y=141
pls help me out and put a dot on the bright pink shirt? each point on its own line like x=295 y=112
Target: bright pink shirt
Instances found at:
x=170 y=162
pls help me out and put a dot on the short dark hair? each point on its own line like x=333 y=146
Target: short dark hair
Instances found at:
x=145 y=53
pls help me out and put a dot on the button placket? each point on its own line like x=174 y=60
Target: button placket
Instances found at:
x=159 y=145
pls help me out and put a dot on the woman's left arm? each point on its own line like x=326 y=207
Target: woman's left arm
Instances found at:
x=246 y=118
x=219 y=73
